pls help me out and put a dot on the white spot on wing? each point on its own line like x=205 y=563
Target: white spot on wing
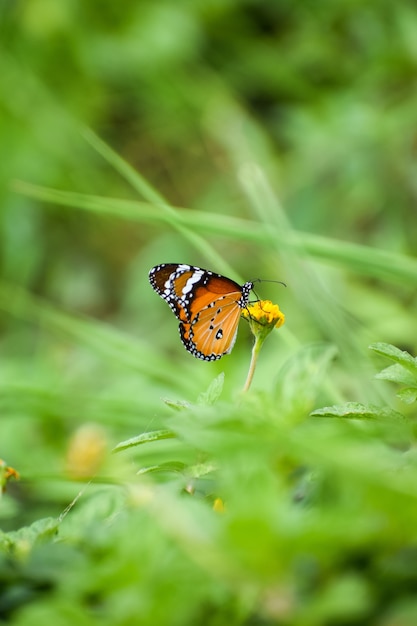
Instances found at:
x=194 y=278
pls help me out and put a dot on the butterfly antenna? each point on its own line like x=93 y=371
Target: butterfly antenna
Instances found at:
x=265 y=280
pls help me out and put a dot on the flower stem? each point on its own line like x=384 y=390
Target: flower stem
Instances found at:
x=254 y=359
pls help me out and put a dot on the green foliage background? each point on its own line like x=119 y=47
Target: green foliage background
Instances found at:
x=259 y=139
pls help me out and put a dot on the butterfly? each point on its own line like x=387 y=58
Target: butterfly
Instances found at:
x=207 y=305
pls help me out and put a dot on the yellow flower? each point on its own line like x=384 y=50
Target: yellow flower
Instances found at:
x=86 y=451
x=262 y=316
x=6 y=473
x=264 y=313
x=218 y=505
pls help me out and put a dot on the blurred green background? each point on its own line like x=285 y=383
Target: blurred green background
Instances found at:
x=284 y=133
x=320 y=97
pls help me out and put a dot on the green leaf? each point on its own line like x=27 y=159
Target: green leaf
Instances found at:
x=24 y=539
x=154 y=435
x=404 y=372
x=395 y=354
x=177 y=405
x=201 y=469
x=213 y=392
x=408 y=394
x=356 y=410
x=303 y=377
x=171 y=466
x=194 y=471
x=397 y=374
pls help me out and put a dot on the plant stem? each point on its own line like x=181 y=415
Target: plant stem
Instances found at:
x=254 y=358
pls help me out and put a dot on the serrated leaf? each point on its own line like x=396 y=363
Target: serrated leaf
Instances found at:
x=404 y=371
x=408 y=394
x=177 y=405
x=395 y=354
x=302 y=378
x=213 y=392
x=356 y=410
x=398 y=374
x=170 y=466
x=154 y=435
x=24 y=539
x=201 y=469
x=194 y=471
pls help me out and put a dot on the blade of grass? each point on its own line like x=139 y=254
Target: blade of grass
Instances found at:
x=146 y=190
x=132 y=176
x=20 y=397
x=353 y=257
x=103 y=339
x=254 y=160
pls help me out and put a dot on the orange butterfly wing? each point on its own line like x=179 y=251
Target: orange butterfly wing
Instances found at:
x=212 y=333
x=208 y=306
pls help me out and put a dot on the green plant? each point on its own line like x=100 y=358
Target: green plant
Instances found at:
x=231 y=508
x=317 y=524
x=269 y=140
